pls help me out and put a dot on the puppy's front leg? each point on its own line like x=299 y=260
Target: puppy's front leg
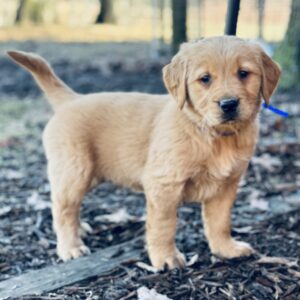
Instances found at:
x=162 y=203
x=216 y=214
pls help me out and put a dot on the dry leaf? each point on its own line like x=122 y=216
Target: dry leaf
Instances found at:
x=145 y=294
x=119 y=216
x=5 y=210
x=260 y=204
x=245 y=229
x=267 y=162
x=146 y=267
x=36 y=201
x=193 y=260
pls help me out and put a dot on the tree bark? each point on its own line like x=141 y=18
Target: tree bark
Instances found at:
x=293 y=32
x=232 y=17
x=20 y=11
x=261 y=13
x=106 y=14
x=179 y=13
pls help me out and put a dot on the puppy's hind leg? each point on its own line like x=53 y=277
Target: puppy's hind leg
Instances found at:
x=70 y=179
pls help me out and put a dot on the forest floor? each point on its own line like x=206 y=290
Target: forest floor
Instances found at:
x=266 y=214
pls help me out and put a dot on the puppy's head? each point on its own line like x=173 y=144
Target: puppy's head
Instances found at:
x=219 y=81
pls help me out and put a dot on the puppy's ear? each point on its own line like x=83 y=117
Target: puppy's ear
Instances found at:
x=270 y=76
x=174 y=75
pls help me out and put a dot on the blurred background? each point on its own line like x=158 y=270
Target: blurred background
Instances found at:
x=142 y=20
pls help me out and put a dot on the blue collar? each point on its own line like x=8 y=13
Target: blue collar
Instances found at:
x=275 y=110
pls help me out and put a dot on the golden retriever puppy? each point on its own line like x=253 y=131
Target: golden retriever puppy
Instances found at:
x=191 y=145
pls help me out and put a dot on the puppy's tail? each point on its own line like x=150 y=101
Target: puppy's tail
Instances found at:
x=55 y=89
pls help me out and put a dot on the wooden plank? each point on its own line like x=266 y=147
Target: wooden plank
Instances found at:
x=53 y=277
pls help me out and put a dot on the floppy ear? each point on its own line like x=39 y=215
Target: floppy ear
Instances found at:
x=174 y=75
x=270 y=76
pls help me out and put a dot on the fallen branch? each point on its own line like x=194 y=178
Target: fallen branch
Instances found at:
x=53 y=277
x=277 y=260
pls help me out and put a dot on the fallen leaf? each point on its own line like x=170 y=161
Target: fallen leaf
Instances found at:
x=146 y=267
x=245 y=229
x=5 y=210
x=36 y=202
x=193 y=260
x=260 y=204
x=145 y=294
x=267 y=162
x=256 y=202
x=119 y=216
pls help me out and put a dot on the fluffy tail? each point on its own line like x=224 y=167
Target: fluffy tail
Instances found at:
x=55 y=89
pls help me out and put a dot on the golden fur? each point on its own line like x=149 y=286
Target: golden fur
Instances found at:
x=175 y=147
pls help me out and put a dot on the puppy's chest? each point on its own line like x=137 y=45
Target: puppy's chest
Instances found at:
x=213 y=172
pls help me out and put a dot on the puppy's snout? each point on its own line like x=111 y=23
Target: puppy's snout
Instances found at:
x=229 y=108
x=229 y=105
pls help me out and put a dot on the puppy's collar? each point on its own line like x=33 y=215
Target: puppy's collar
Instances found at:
x=275 y=110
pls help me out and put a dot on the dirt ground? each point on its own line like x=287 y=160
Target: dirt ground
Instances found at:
x=266 y=214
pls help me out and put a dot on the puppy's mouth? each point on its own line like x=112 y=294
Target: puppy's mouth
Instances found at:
x=229 y=118
x=228 y=127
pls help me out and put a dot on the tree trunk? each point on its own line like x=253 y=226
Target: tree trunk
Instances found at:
x=288 y=52
x=20 y=11
x=200 y=5
x=232 y=17
x=157 y=28
x=106 y=14
x=261 y=13
x=179 y=12
x=293 y=32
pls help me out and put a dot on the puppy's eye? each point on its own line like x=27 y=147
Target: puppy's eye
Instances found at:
x=243 y=74
x=205 y=79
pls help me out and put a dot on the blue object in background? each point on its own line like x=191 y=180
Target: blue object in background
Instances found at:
x=275 y=110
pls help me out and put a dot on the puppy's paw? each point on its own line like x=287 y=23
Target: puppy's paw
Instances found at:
x=74 y=250
x=176 y=261
x=173 y=260
x=232 y=249
x=85 y=229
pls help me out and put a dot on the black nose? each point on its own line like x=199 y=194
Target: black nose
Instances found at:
x=229 y=105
